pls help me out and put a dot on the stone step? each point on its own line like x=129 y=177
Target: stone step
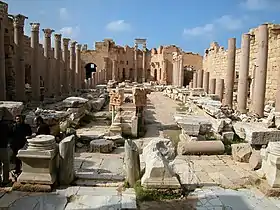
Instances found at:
x=97 y=183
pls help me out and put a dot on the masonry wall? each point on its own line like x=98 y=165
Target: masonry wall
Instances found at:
x=215 y=59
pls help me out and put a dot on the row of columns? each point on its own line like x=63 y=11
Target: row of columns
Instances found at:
x=224 y=87
x=143 y=73
x=65 y=77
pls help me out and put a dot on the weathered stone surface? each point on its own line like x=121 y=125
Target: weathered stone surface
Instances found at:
x=101 y=146
x=241 y=152
x=194 y=125
x=66 y=160
x=256 y=133
x=97 y=104
x=74 y=102
x=255 y=161
x=157 y=156
x=228 y=136
x=200 y=147
x=11 y=109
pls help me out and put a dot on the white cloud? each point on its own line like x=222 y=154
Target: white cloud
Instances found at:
x=63 y=14
x=118 y=26
x=261 y=4
x=226 y=22
x=200 y=30
x=70 y=32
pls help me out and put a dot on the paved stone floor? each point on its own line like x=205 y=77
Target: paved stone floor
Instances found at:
x=72 y=198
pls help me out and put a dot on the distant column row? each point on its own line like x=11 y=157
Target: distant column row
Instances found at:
x=60 y=72
x=224 y=88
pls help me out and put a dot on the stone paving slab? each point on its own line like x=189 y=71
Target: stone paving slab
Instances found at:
x=73 y=197
x=216 y=170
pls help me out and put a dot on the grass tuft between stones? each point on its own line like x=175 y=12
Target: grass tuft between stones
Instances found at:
x=143 y=194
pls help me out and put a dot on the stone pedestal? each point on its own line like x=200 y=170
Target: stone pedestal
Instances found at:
x=134 y=126
x=271 y=164
x=39 y=161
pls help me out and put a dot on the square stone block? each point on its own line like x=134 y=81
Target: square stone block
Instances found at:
x=38 y=167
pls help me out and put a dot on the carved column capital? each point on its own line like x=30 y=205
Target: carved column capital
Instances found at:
x=48 y=32
x=73 y=44
x=19 y=20
x=35 y=27
x=57 y=37
x=78 y=47
x=65 y=41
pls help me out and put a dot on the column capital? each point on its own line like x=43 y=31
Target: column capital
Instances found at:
x=35 y=27
x=65 y=41
x=78 y=47
x=19 y=20
x=57 y=37
x=48 y=32
x=73 y=44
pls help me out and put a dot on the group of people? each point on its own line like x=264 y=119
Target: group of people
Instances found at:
x=14 y=136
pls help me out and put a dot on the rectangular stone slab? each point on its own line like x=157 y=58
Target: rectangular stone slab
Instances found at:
x=256 y=133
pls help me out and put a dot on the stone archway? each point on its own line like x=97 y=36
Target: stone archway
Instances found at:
x=89 y=69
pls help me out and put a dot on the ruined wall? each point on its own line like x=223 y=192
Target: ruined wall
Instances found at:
x=192 y=60
x=215 y=59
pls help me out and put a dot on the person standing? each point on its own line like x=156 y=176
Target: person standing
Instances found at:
x=42 y=127
x=4 y=153
x=20 y=131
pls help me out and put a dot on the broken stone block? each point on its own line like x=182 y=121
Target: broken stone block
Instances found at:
x=157 y=156
x=74 y=102
x=255 y=161
x=101 y=146
x=97 y=104
x=256 y=133
x=194 y=125
x=228 y=136
x=241 y=152
x=66 y=160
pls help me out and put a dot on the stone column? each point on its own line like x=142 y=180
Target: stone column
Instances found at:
x=66 y=66
x=261 y=71
x=72 y=64
x=35 y=71
x=114 y=76
x=93 y=79
x=212 y=86
x=105 y=69
x=200 y=78
x=20 y=64
x=135 y=63
x=49 y=75
x=78 y=67
x=144 y=64
x=206 y=75
x=181 y=71
x=195 y=80
x=2 y=54
x=191 y=85
x=229 y=81
x=57 y=57
x=219 y=90
x=242 y=92
x=164 y=69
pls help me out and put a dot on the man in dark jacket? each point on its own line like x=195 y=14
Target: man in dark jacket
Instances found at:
x=42 y=127
x=4 y=153
x=19 y=133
